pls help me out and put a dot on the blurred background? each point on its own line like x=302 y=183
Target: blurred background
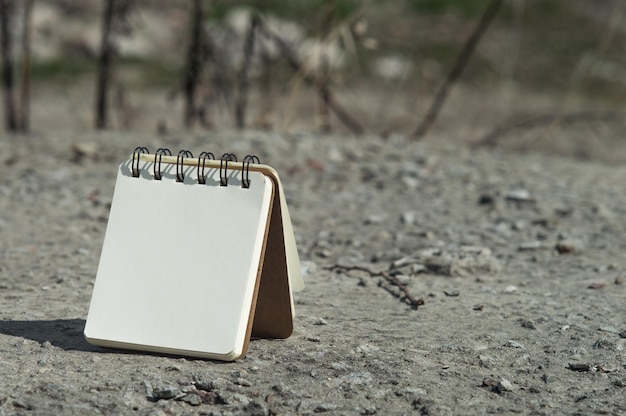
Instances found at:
x=544 y=75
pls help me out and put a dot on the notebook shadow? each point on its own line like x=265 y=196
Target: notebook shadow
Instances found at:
x=67 y=334
x=63 y=333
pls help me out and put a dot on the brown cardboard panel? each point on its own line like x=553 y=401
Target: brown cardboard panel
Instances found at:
x=274 y=317
x=259 y=276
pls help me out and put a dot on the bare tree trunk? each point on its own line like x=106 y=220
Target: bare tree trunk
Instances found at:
x=457 y=69
x=323 y=73
x=104 y=65
x=24 y=110
x=194 y=63
x=243 y=81
x=7 y=10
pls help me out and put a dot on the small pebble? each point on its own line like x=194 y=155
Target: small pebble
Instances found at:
x=192 y=399
x=486 y=361
x=514 y=344
x=580 y=367
x=486 y=199
x=164 y=392
x=518 y=195
x=243 y=382
x=371 y=410
x=257 y=408
x=569 y=246
x=510 y=289
x=374 y=219
x=408 y=218
x=504 y=385
x=609 y=329
x=489 y=382
x=603 y=344
x=530 y=245
x=325 y=408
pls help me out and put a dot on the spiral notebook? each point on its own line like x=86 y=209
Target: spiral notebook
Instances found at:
x=199 y=256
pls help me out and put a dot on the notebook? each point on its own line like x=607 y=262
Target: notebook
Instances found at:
x=199 y=257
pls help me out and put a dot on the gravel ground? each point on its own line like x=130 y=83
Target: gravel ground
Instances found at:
x=517 y=259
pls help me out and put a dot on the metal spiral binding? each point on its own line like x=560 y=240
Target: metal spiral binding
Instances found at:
x=135 y=168
x=180 y=174
x=201 y=168
x=157 y=165
x=245 y=170
x=203 y=157
x=226 y=157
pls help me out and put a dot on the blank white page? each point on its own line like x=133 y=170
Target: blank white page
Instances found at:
x=179 y=263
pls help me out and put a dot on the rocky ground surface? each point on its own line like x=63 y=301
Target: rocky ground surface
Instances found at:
x=515 y=263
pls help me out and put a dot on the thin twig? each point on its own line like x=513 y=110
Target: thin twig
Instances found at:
x=457 y=69
x=494 y=135
x=407 y=298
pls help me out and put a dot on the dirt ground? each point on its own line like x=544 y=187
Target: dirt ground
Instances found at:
x=518 y=258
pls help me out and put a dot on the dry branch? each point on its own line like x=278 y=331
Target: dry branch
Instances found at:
x=457 y=69
x=408 y=298
x=323 y=89
x=550 y=119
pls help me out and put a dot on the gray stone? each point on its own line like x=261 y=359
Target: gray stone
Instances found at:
x=603 y=344
x=326 y=407
x=486 y=361
x=530 y=245
x=164 y=392
x=257 y=408
x=580 y=367
x=514 y=344
x=243 y=382
x=409 y=218
x=527 y=323
x=504 y=385
x=569 y=246
x=518 y=195
x=192 y=399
